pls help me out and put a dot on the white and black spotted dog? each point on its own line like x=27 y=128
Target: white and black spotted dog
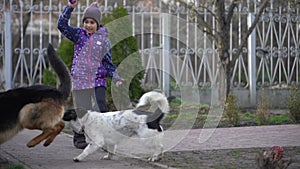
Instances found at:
x=111 y=128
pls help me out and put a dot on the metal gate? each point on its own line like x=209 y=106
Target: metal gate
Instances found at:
x=190 y=55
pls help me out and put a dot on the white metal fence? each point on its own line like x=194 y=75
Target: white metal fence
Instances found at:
x=161 y=27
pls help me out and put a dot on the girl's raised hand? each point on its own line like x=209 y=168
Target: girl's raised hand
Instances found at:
x=72 y=3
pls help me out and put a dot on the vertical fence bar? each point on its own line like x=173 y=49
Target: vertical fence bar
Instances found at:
x=8 y=54
x=166 y=57
x=50 y=12
x=31 y=69
x=252 y=61
x=177 y=67
x=59 y=33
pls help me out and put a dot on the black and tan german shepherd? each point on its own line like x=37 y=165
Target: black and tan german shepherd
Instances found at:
x=36 y=107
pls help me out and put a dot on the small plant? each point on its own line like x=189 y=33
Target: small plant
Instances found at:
x=294 y=104
x=231 y=110
x=263 y=109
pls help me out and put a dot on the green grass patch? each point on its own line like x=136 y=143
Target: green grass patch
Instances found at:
x=171 y=116
x=204 y=106
x=247 y=116
x=280 y=119
x=14 y=166
x=176 y=102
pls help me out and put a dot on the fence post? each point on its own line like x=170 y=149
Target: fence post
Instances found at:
x=8 y=54
x=166 y=57
x=252 y=62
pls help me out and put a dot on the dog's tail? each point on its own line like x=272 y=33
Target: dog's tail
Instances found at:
x=62 y=72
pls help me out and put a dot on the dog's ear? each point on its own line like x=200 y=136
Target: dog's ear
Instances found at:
x=144 y=107
x=69 y=115
x=170 y=98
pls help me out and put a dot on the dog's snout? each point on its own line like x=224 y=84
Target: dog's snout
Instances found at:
x=69 y=115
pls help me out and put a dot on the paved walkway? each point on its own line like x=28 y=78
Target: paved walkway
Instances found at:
x=60 y=153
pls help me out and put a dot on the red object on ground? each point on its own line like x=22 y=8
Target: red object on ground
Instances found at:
x=277 y=152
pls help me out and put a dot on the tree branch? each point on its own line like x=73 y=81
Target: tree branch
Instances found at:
x=208 y=10
x=262 y=7
x=232 y=6
x=208 y=28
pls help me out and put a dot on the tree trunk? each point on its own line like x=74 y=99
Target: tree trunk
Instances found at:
x=225 y=61
x=223 y=37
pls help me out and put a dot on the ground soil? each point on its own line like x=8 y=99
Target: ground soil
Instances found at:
x=224 y=159
x=208 y=159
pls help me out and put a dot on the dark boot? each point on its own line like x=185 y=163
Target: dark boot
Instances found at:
x=79 y=141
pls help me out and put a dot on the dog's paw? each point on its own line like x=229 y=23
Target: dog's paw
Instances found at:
x=48 y=142
x=154 y=158
x=107 y=157
x=76 y=159
x=31 y=144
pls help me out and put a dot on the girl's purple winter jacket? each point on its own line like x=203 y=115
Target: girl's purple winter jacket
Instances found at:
x=92 y=61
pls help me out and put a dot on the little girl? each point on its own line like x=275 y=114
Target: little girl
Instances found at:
x=92 y=62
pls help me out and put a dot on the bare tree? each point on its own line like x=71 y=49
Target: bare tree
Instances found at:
x=221 y=34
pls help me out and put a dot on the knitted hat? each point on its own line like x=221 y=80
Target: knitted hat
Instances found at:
x=93 y=12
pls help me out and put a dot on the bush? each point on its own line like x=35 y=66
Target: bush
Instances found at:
x=232 y=110
x=66 y=53
x=263 y=110
x=49 y=77
x=122 y=49
x=294 y=104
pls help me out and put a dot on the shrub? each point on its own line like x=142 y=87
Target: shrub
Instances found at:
x=231 y=110
x=294 y=104
x=66 y=52
x=49 y=77
x=120 y=50
x=263 y=109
